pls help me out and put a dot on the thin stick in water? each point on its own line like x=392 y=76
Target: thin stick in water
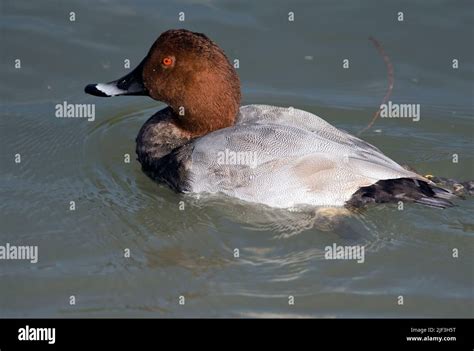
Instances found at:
x=391 y=80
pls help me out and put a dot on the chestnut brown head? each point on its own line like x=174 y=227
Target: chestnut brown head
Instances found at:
x=191 y=74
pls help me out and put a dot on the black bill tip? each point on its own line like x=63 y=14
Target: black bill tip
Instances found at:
x=130 y=84
x=92 y=90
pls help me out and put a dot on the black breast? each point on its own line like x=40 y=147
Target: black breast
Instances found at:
x=164 y=154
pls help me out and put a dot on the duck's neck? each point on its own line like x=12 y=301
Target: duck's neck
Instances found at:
x=209 y=111
x=197 y=124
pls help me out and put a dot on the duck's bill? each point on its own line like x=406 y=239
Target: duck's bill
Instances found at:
x=131 y=84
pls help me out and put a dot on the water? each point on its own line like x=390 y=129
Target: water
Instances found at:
x=190 y=252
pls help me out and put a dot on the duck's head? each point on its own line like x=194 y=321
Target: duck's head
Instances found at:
x=191 y=74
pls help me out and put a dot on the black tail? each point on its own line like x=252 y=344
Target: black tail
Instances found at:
x=402 y=189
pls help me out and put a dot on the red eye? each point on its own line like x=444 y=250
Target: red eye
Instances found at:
x=167 y=61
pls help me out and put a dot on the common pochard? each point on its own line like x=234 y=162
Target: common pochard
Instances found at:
x=204 y=142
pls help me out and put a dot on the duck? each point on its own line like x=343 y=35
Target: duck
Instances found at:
x=204 y=142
